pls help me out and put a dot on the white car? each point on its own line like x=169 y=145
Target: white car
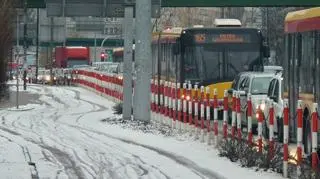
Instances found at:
x=257 y=84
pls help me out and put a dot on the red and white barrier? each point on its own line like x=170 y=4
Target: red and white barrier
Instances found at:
x=165 y=106
x=161 y=101
x=260 y=120
x=157 y=107
x=174 y=105
x=271 y=131
x=285 y=137
x=208 y=117
x=190 y=108
x=233 y=120
x=314 y=136
x=225 y=114
x=249 y=114
x=299 y=136
x=238 y=109
x=152 y=101
x=179 y=98
x=170 y=87
x=202 y=111
x=185 y=108
x=196 y=111
x=215 y=116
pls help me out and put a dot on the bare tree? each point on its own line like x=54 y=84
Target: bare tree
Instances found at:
x=7 y=13
x=186 y=17
x=273 y=28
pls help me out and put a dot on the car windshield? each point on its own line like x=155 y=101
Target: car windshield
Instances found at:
x=260 y=85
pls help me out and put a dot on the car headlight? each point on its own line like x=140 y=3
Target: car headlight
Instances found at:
x=261 y=106
x=54 y=78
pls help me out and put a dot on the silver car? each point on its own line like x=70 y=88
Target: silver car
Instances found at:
x=256 y=84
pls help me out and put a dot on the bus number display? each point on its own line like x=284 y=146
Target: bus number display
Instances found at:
x=222 y=38
x=227 y=38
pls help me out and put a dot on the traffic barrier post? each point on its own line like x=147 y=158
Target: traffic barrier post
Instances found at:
x=285 y=137
x=215 y=116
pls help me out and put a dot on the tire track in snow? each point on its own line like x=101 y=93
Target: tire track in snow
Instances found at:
x=145 y=171
x=178 y=159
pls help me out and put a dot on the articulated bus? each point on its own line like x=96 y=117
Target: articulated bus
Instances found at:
x=208 y=56
x=302 y=66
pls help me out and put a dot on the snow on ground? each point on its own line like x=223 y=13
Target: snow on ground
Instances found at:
x=73 y=133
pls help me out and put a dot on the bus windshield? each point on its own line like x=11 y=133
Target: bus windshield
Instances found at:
x=205 y=65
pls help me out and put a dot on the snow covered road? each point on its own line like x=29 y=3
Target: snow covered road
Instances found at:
x=66 y=138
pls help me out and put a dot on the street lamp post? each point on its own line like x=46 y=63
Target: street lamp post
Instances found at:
x=17 y=61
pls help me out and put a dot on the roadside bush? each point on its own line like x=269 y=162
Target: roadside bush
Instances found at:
x=239 y=151
x=117 y=108
x=248 y=156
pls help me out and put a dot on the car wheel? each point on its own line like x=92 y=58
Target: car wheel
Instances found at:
x=265 y=130
x=307 y=141
x=280 y=129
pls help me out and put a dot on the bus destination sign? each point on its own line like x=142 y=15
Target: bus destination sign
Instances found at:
x=222 y=38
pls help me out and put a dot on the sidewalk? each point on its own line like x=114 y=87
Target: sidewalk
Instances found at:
x=24 y=98
x=13 y=164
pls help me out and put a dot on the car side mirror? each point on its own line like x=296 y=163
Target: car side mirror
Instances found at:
x=274 y=98
x=242 y=93
x=230 y=91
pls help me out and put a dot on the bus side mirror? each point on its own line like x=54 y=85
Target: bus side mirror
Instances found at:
x=266 y=51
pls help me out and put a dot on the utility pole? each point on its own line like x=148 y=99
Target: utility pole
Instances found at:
x=143 y=60
x=65 y=22
x=127 y=58
x=51 y=48
x=25 y=45
x=17 y=61
x=37 y=50
x=95 y=47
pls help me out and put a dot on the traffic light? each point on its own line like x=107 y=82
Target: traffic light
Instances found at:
x=102 y=56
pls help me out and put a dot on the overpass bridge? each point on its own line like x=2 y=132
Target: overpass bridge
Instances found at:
x=164 y=3
x=209 y=3
x=88 y=42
